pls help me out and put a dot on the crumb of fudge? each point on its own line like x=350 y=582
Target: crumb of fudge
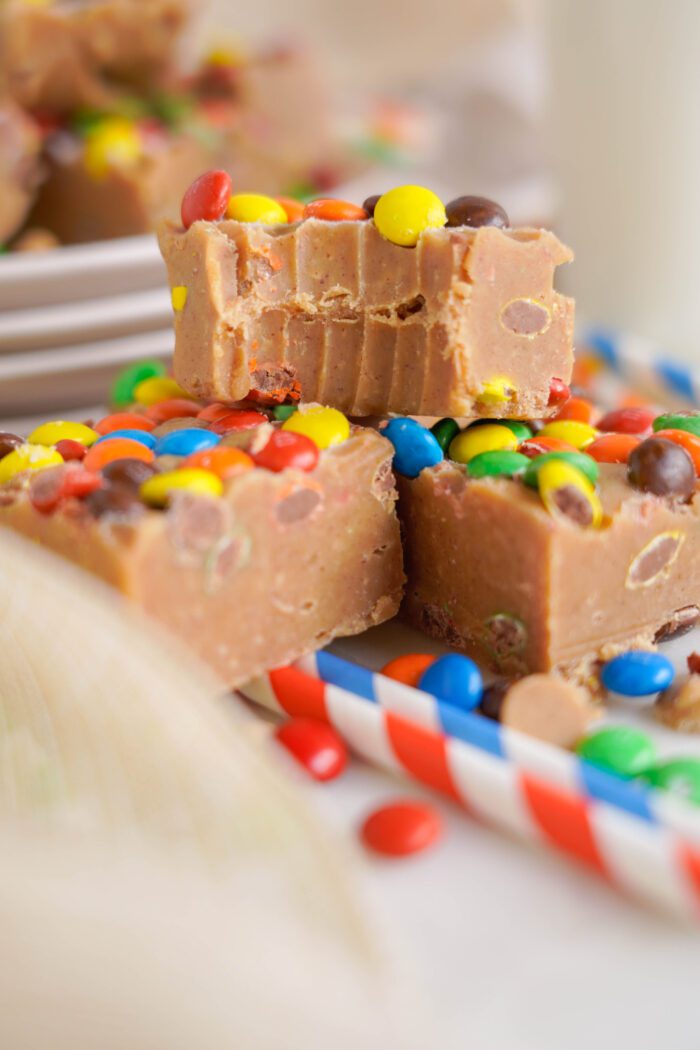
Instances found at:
x=678 y=707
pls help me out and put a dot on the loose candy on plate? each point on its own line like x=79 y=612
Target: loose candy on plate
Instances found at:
x=547 y=707
x=637 y=673
x=623 y=750
x=681 y=776
x=401 y=828
x=415 y=447
x=316 y=746
x=453 y=679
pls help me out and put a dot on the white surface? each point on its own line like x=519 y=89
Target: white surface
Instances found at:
x=519 y=948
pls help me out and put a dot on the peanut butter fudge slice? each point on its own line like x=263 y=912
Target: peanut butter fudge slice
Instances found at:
x=251 y=541
x=532 y=557
x=401 y=306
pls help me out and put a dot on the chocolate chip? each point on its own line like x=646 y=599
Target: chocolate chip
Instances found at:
x=131 y=472
x=662 y=467
x=114 y=501
x=475 y=211
x=9 y=442
x=492 y=699
x=370 y=203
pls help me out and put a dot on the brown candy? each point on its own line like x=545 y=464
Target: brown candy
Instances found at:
x=492 y=699
x=114 y=500
x=370 y=203
x=9 y=442
x=693 y=662
x=132 y=472
x=662 y=467
x=475 y=211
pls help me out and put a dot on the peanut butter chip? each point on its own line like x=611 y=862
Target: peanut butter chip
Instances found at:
x=654 y=560
x=297 y=506
x=549 y=708
x=525 y=317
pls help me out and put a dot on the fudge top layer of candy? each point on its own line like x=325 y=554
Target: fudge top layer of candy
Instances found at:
x=401 y=215
x=565 y=460
x=159 y=443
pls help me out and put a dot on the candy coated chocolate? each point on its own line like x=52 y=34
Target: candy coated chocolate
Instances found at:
x=8 y=442
x=475 y=211
x=637 y=673
x=622 y=750
x=316 y=746
x=454 y=679
x=662 y=467
x=401 y=828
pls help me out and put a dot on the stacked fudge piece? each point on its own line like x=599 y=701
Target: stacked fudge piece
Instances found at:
x=102 y=129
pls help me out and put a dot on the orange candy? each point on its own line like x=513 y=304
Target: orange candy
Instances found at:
x=577 y=408
x=409 y=668
x=294 y=209
x=123 y=421
x=99 y=455
x=535 y=446
x=690 y=442
x=334 y=211
x=173 y=408
x=220 y=460
x=613 y=448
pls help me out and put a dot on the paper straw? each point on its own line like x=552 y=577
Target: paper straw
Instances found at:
x=515 y=783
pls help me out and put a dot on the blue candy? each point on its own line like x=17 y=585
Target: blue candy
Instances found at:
x=455 y=680
x=637 y=673
x=142 y=436
x=186 y=441
x=415 y=447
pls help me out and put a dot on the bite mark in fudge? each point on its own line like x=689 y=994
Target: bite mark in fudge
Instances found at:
x=279 y=564
x=367 y=325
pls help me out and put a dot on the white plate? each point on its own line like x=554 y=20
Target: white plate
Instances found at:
x=80 y=271
x=57 y=379
x=81 y=322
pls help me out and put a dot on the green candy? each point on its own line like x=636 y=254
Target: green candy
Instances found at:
x=122 y=392
x=497 y=463
x=283 y=411
x=444 y=430
x=689 y=421
x=622 y=750
x=586 y=464
x=521 y=430
x=678 y=775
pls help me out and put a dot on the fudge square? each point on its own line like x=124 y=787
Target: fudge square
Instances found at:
x=493 y=572
x=465 y=323
x=293 y=548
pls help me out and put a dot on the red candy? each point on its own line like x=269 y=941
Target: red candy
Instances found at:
x=285 y=449
x=123 y=421
x=316 y=746
x=577 y=408
x=237 y=419
x=402 y=828
x=612 y=448
x=558 y=391
x=207 y=198
x=636 y=419
x=71 y=450
x=50 y=487
x=535 y=446
x=173 y=408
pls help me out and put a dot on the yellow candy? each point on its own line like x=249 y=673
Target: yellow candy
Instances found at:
x=28 y=457
x=158 y=388
x=156 y=490
x=577 y=434
x=325 y=426
x=255 y=207
x=491 y=437
x=230 y=54
x=113 y=143
x=496 y=391
x=401 y=215
x=61 y=430
x=566 y=492
x=178 y=297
